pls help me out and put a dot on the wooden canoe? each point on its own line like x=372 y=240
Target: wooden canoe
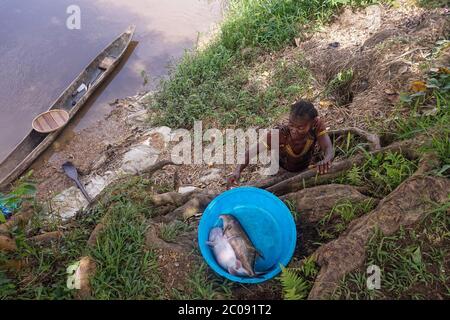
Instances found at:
x=71 y=100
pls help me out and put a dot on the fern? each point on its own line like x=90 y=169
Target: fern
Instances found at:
x=294 y=286
x=354 y=176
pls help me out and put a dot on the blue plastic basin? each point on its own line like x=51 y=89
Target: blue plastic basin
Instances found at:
x=267 y=221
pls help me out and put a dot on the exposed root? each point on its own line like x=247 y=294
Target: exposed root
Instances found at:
x=404 y=206
x=172 y=198
x=190 y=208
x=311 y=177
x=19 y=219
x=373 y=139
x=149 y=172
x=153 y=241
x=157 y=166
x=46 y=237
x=315 y=203
x=7 y=244
x=13 y=265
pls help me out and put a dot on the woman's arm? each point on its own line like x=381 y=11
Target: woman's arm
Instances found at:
x=328 y=153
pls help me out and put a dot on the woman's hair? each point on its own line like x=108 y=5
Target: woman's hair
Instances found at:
x=303 y=108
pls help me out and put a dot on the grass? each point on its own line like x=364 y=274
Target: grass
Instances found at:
x=414 y=262
x=210 y=85
x=202 y=285
x=125 y=268
x=45 y=277
x=170 y=232
x=340 y=216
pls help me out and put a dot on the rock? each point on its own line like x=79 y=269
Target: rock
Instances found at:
x=98 y=183
x=138 y=116
x=139 y=158
x=68 y=203
x=187 y=189
x=164 y=133
x=99 y=162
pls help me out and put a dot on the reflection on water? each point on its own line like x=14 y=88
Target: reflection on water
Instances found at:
x=39 y=56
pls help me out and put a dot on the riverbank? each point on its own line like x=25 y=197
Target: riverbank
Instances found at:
x=245 y=79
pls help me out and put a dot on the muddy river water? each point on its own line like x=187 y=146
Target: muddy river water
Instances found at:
x=40 y=55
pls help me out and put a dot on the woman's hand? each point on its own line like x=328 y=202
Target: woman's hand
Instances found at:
x=323 y=166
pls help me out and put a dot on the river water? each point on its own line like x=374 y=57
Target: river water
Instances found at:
x=40 y=56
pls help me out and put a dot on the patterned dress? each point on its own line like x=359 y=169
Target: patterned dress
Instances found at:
x=297 y=154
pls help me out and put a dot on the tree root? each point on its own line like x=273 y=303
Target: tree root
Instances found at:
x=7 y=244
x=46 y=237
x=372 y=138
x=311 y=177
x=19 y=219
x=84 y=273
x=149 y=172
x=194 y=206
x=153 y=241
x=408 y=203
x=315 y=203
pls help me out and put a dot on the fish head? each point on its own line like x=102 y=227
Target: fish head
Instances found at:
x=228 y=220
x=215 y=234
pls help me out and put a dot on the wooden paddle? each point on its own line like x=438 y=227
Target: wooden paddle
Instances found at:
x=72 y=173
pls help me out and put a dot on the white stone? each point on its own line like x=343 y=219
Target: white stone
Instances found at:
x=68 y=203
x=139 y=158
x=186 y=189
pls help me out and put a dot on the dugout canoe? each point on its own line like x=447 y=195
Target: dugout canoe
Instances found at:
x=71 y=100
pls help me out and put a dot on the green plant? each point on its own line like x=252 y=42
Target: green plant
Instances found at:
x=292 y=208
x=294 y=286
x=355 y=176
x=339 y=87
x=384 y=172
x=297 y=282
x=169 y=232
x=23 y=189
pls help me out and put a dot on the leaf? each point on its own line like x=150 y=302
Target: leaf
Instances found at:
x=417 y=256
x=433 y=83
x=2 y=218
x=418 y=86
x=406 y=98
